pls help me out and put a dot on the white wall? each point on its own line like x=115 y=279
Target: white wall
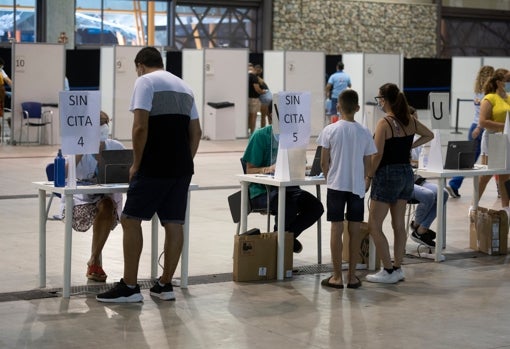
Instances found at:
x=193 y=63
x=38 y=75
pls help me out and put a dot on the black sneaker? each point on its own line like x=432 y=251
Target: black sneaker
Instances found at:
x=121 y=293
x=454 y=193
x=297 y=246
x=423 y=239
x=165 y=293
x=431 y=233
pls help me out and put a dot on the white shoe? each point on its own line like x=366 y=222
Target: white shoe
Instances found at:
x=471 y=212
x=400 y=273
x=382 y=276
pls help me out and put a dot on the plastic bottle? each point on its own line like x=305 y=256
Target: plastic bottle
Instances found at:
x=59 y=175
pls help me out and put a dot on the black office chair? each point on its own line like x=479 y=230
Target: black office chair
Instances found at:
x=50 y=168
x=34 y=116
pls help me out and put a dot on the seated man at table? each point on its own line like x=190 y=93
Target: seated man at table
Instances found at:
x=302 y=209
x=101 y=211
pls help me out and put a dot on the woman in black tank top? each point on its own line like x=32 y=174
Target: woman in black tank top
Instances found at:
x=392 y=178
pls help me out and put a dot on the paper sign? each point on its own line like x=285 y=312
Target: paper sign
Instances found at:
x=439 y=105
x=435 y=162
x=290 y=164
x=79 y=121
x=294 y=110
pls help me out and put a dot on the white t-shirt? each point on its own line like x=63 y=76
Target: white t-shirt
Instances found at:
x=348 y=143
x=86 y=169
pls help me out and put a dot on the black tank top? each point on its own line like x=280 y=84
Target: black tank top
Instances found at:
x=397 y=150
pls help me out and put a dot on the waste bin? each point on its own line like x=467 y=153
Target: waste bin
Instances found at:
x=220 y=121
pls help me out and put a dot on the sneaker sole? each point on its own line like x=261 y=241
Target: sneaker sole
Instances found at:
x=96 y=277
x=379 y=281
x=165 y=296
x=134 y=298
x=418 y=241
x=452 y=193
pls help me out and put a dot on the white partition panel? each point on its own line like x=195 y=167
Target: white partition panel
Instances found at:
x=125 y=76
x=464 y=71
x=38 y=75
x=274 y=70
x=354 y=64
x=193 y=74
x=107 y=81
x=497 y=62
x=304 y=71
x=368 y=72
x=226 y=80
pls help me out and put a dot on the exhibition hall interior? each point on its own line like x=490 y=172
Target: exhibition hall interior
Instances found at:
x=229 y=291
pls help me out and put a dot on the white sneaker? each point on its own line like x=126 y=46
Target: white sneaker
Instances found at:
x=400 y=273
x=471 y=212
x=382 y=276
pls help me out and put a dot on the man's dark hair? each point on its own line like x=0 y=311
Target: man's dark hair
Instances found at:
x=340 y=65
x=2 y=62
x=150 y=57
x=348 y=100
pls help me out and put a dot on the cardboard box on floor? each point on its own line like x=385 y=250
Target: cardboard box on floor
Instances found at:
x=363 y=249
x=255 y=256
x=488 y=231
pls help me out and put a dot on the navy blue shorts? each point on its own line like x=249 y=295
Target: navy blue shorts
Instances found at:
x=167 y=197
x=336 y=202
x=392 y=183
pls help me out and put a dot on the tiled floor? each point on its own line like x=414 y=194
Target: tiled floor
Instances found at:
x=459 y=303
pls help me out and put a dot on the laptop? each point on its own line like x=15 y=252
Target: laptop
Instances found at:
x=316 y=164
x=460 y=155
x=115 y=166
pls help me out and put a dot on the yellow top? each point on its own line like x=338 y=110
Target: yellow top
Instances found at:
x=499 y=106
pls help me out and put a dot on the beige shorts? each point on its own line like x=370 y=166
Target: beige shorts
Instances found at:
x=253 y=105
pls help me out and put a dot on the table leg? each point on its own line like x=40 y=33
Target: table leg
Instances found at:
x=281 y=234
x=441 y=232
x=319 y=230
x=185 y=247
x=154 y=246
x=244 y=207
x=68 y=244
x=42 y=238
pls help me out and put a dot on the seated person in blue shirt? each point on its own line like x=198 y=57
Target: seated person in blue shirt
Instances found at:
x=302 y=209
x=99 y=211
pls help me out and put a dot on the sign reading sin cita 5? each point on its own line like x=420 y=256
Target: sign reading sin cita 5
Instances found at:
x=293 y=118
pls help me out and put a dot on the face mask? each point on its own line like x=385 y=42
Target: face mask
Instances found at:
x=380 y=107
x=507 y=86
x=104 y=132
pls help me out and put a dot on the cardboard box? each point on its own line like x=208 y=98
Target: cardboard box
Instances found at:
x=488 y=231
x=255 y=256
x=363 y=250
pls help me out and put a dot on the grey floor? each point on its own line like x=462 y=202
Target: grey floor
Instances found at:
x=459 y=303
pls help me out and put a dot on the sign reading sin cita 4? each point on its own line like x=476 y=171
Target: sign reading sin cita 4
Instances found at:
x=79 y=121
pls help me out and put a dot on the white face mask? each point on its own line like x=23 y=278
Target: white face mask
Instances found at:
x=507 y=87
x=104 y=132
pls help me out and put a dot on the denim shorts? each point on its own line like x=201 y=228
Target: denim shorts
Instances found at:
x=336 y=202
x=392 y=183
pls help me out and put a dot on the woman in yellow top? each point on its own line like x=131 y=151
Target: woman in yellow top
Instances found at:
x=493 y=109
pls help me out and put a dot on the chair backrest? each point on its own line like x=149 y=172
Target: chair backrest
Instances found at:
x=243 y=164
x=50 y=171
x=31 y=110
x=50 y=174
